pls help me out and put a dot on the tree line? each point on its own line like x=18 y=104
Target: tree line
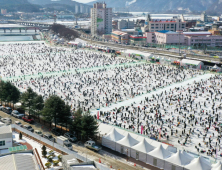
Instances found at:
x=52 y=110
x=64 y=32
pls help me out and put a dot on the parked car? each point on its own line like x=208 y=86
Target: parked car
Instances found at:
x=16 y=114
x=7 y=110
x=29 y=128
x=56 y=131
x=71 y=137
x=1 y=108
x=6 y=120
x=38 y=132
x=18 y=123
x=49 y=137
x=92 y=145
x=28 y=119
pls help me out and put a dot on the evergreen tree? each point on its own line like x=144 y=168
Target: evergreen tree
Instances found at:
x=44 y=152
x=20 y=136
x=76 y=124
x=54 y=110
x=89 y=126
x=38 y=104
x=27 y=99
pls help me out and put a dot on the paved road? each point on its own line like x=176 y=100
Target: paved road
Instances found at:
x=114 y=159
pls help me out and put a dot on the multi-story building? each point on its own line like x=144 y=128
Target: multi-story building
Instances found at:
x=3 y=11
x=101 y=19
x=77 y=9
x=120 y=37
x=165 y=37
x=125 y=24
x=203 y=17
x=154 y=25
x=82 y=8
x=209 y=40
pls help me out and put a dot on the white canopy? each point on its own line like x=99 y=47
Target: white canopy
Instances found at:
x=128 y=141
x=160 y=153
x=216 y=164
x=199 y=163
x=190 y=62
x=215 y=67
x=180 y=158
x=143 y=146
x=217 y=168
x=114 y=135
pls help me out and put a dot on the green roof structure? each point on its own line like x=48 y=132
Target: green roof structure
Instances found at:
x=18 y=148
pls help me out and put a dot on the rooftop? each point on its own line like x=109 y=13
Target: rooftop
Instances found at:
x=5 y=132
x=18 y=161
x=167 y=32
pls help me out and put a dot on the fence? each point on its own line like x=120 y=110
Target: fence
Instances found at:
x=56 y=147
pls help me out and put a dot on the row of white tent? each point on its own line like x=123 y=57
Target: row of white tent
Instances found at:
x=154 y=153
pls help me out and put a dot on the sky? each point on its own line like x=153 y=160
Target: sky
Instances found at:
x=84 y=1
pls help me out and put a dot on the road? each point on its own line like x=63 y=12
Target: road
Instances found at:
x=114 y=159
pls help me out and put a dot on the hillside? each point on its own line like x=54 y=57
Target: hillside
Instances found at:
x=215 y=8
x=19 y=5
x=162 y=5
x=64 y=2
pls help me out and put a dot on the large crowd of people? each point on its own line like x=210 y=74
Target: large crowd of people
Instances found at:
x=187 y=116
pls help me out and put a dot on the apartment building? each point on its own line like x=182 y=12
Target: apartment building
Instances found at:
x=101 y=19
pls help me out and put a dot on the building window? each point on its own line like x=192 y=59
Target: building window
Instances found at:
x=2 y=143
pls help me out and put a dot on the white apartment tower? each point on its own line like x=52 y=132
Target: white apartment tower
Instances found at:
x=101 y=19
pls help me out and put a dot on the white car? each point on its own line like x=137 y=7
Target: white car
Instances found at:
x=6 y=120
x=18 y=123
x=16 y=114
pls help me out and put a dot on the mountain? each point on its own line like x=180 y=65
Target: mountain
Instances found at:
x=161 y=5
x=44 y=2
x=215 y=8
x=19 y=5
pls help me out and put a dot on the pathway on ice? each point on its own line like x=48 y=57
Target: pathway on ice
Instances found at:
x=138 y=99
x=81 y=70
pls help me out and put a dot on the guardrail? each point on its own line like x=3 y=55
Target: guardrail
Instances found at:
x=58 y=148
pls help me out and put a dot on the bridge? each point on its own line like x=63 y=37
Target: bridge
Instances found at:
x=30 y=23
x=25 y=28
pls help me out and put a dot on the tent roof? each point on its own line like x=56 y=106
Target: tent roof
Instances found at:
x=143 y=146
x=216 y=164
x=114 y=135
x=217 y=167
x=160 y=152
x=180 y=158
x=215 y=67
x=194 y=62
x=128 y=141
x=199 y=163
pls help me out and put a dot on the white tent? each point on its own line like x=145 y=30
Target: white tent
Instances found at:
x=199 y=163
x=110 y=139
x=192 y=63
x=178 y=159
x=123 y=146
x=140 y=150
x=157 y=156
x=172 y=149
x=216 y=68
x=216 y=164
x=217 y=168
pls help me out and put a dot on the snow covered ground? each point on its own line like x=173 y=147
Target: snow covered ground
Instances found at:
x=38 y=146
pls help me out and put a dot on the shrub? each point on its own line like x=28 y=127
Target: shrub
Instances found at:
x=50 y=158
x=60 y=158
x=48 y=164
x=55 y=163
